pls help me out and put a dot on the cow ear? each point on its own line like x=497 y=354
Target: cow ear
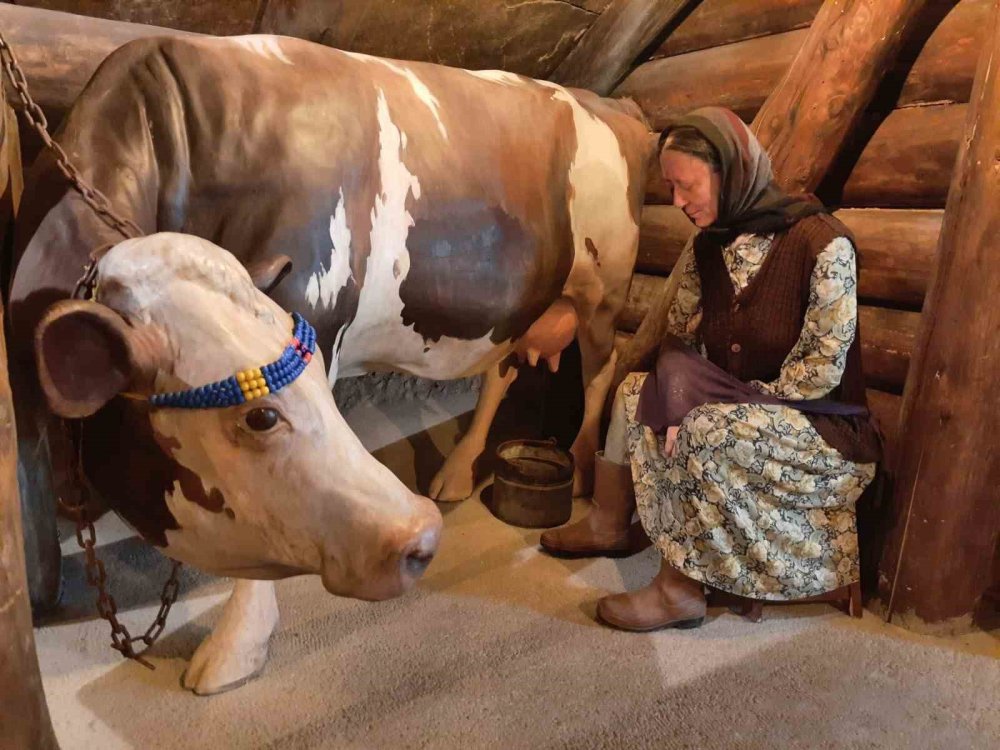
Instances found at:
x=87 y=354
x=267 y=273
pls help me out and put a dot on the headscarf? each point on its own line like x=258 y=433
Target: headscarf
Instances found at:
x=749 y=198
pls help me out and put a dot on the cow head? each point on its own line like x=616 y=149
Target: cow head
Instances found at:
x=276 y=486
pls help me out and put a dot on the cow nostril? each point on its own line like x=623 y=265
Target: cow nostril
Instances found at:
x=417 y=561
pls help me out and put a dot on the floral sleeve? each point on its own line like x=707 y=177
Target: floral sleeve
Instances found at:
x=684 y=315
x=816 y=363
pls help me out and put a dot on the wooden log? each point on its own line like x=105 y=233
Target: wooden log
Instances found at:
x=895 y=252
x=222 y=19
x=530 y=38
x=24 y=715
x=908 y=161
x=895 y=248
x=937 y=564
x=663 y=232
x=885 y=408
x=610 y=47
x=738 y=76
x=60 y=51
x=887 y=335
x=717 y=22
x=805 y=121
x=944 y=69
x=887 y=341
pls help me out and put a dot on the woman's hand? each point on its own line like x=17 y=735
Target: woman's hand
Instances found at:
x=670 y=442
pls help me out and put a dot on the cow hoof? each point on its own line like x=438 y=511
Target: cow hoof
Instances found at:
x=216 y=668
x=454 y=482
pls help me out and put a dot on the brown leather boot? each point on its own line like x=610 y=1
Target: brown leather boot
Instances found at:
x=671 y=600
x=606 y=529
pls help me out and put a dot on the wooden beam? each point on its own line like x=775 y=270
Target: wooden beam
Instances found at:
x=60 y=51
x=908 y=161
x=937 y=562
x=887 y=335
x=895 y=248
x=944 y=69
x=805 y=121
x=717 y=22
x=221 y=19
x=24 y=718
x=610 y=47
x=885 y=408
x=738 y=76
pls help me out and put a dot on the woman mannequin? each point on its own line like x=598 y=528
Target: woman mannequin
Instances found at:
x=745 y=449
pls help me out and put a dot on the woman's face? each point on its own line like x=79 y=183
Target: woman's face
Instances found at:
x=695 y=186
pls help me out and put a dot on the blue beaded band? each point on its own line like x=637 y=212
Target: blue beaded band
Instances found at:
x=251 y=384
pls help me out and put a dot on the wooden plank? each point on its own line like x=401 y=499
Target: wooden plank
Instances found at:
x=221 y=19
x=895 y=248
x=612 y=44
x=24 y=716
x=944 y=69
x=717 y=22
x=909 y=160
x=806 y=120
x=938 y=559
x=738 y=76
x=887 y=335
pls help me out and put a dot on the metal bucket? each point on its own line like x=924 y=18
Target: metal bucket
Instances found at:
x=533 y=484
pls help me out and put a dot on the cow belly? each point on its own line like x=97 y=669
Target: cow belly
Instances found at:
x=398 y=348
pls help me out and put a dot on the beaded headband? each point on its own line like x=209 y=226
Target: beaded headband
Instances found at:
x=251 y=384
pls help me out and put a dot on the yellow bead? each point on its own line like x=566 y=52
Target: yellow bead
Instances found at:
x=265 y=390
x=245 y=386
x=257 y=373
x=257 y=393
x=241 y=377
x=259 y=383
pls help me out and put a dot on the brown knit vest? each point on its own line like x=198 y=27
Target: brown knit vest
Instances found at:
x=749 y=334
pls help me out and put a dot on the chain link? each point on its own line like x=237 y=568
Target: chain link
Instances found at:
x=121 y=640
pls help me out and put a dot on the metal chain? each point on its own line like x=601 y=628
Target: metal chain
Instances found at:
x=121 y=640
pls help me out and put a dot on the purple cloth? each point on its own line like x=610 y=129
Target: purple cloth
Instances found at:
x=684 y=380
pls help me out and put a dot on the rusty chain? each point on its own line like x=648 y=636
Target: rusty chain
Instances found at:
x=121 y=640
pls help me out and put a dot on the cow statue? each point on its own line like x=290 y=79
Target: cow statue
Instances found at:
x=436 y=220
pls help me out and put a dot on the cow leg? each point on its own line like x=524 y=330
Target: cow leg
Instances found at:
x=455 y=479
x=597 y=349
x=236 y=650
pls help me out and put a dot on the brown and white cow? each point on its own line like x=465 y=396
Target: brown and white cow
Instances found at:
x=433 y=216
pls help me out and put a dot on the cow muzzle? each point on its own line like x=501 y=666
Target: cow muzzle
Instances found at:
x=393 y=564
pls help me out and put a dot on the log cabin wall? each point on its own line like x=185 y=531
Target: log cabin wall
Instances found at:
x=526 y=38
x=889 y=184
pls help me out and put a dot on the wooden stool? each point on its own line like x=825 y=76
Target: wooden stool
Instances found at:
x=847 y=598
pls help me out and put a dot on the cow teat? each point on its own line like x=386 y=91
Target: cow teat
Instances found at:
x=549 y=335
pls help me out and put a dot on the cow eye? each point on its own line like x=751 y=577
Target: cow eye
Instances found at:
x=261 y=420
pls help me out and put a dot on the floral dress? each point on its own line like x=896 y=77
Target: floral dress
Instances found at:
x=753 y=500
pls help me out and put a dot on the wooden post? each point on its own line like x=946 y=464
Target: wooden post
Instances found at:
x=24 y=715
x=612 y=44
x=805 y=121
x=937 y=562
